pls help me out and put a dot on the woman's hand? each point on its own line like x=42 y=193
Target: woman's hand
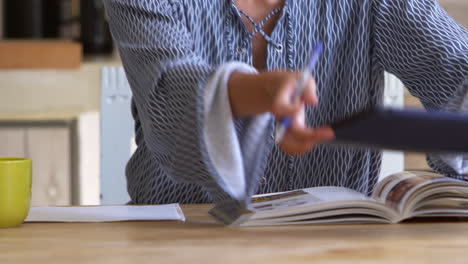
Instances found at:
x=272 y=92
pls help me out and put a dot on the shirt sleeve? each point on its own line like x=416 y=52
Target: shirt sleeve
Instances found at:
x=223 y=145
x=455 y=165
x=168 y=81
x=427 y=50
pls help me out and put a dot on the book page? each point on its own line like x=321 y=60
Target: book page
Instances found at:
x=395 y=189
x=387 y=183
x=275 y=201
x=444 y=203
x=310 y=196
x=339 y=203
x=331 y=194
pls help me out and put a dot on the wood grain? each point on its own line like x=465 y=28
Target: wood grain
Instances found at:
x=20 y=54
x=201 y=241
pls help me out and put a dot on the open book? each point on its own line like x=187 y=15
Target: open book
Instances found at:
x=396 y=198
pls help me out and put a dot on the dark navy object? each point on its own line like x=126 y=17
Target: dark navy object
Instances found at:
x=408 y=129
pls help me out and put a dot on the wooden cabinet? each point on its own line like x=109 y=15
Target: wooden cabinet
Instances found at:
x=49 y=147
x=12 y=142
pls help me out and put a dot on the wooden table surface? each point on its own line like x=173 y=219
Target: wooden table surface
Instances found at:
x=200 y=240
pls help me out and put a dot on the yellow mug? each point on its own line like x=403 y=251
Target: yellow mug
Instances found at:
x=15 y=190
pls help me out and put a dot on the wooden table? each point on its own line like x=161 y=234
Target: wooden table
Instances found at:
x=201 y=241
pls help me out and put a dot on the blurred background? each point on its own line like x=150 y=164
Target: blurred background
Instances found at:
x=82 y=21
x=61 y=87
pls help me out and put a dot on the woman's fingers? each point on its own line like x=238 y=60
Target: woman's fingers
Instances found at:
x=300 y=140
x=309 y=96
x=285 y=104
x=297 y=143
x=324 y=134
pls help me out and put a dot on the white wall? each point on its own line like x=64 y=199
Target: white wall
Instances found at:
x=88 y=159
x=392 y=161
x=458 y=9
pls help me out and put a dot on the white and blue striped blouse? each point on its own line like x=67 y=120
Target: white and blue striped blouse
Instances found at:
x=173 y=49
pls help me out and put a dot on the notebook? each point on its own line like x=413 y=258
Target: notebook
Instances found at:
x=105 y=213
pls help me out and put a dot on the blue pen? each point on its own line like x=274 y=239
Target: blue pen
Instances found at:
x=285 y=123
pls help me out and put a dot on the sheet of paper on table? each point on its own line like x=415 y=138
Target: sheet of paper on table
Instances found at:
x=106 y=213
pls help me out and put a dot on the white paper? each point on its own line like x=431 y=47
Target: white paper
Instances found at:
x=106 y=213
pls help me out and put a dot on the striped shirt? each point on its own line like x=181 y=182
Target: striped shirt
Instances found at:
x=171 y=48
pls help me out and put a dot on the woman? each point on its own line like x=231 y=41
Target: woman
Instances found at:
x=210 y=77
